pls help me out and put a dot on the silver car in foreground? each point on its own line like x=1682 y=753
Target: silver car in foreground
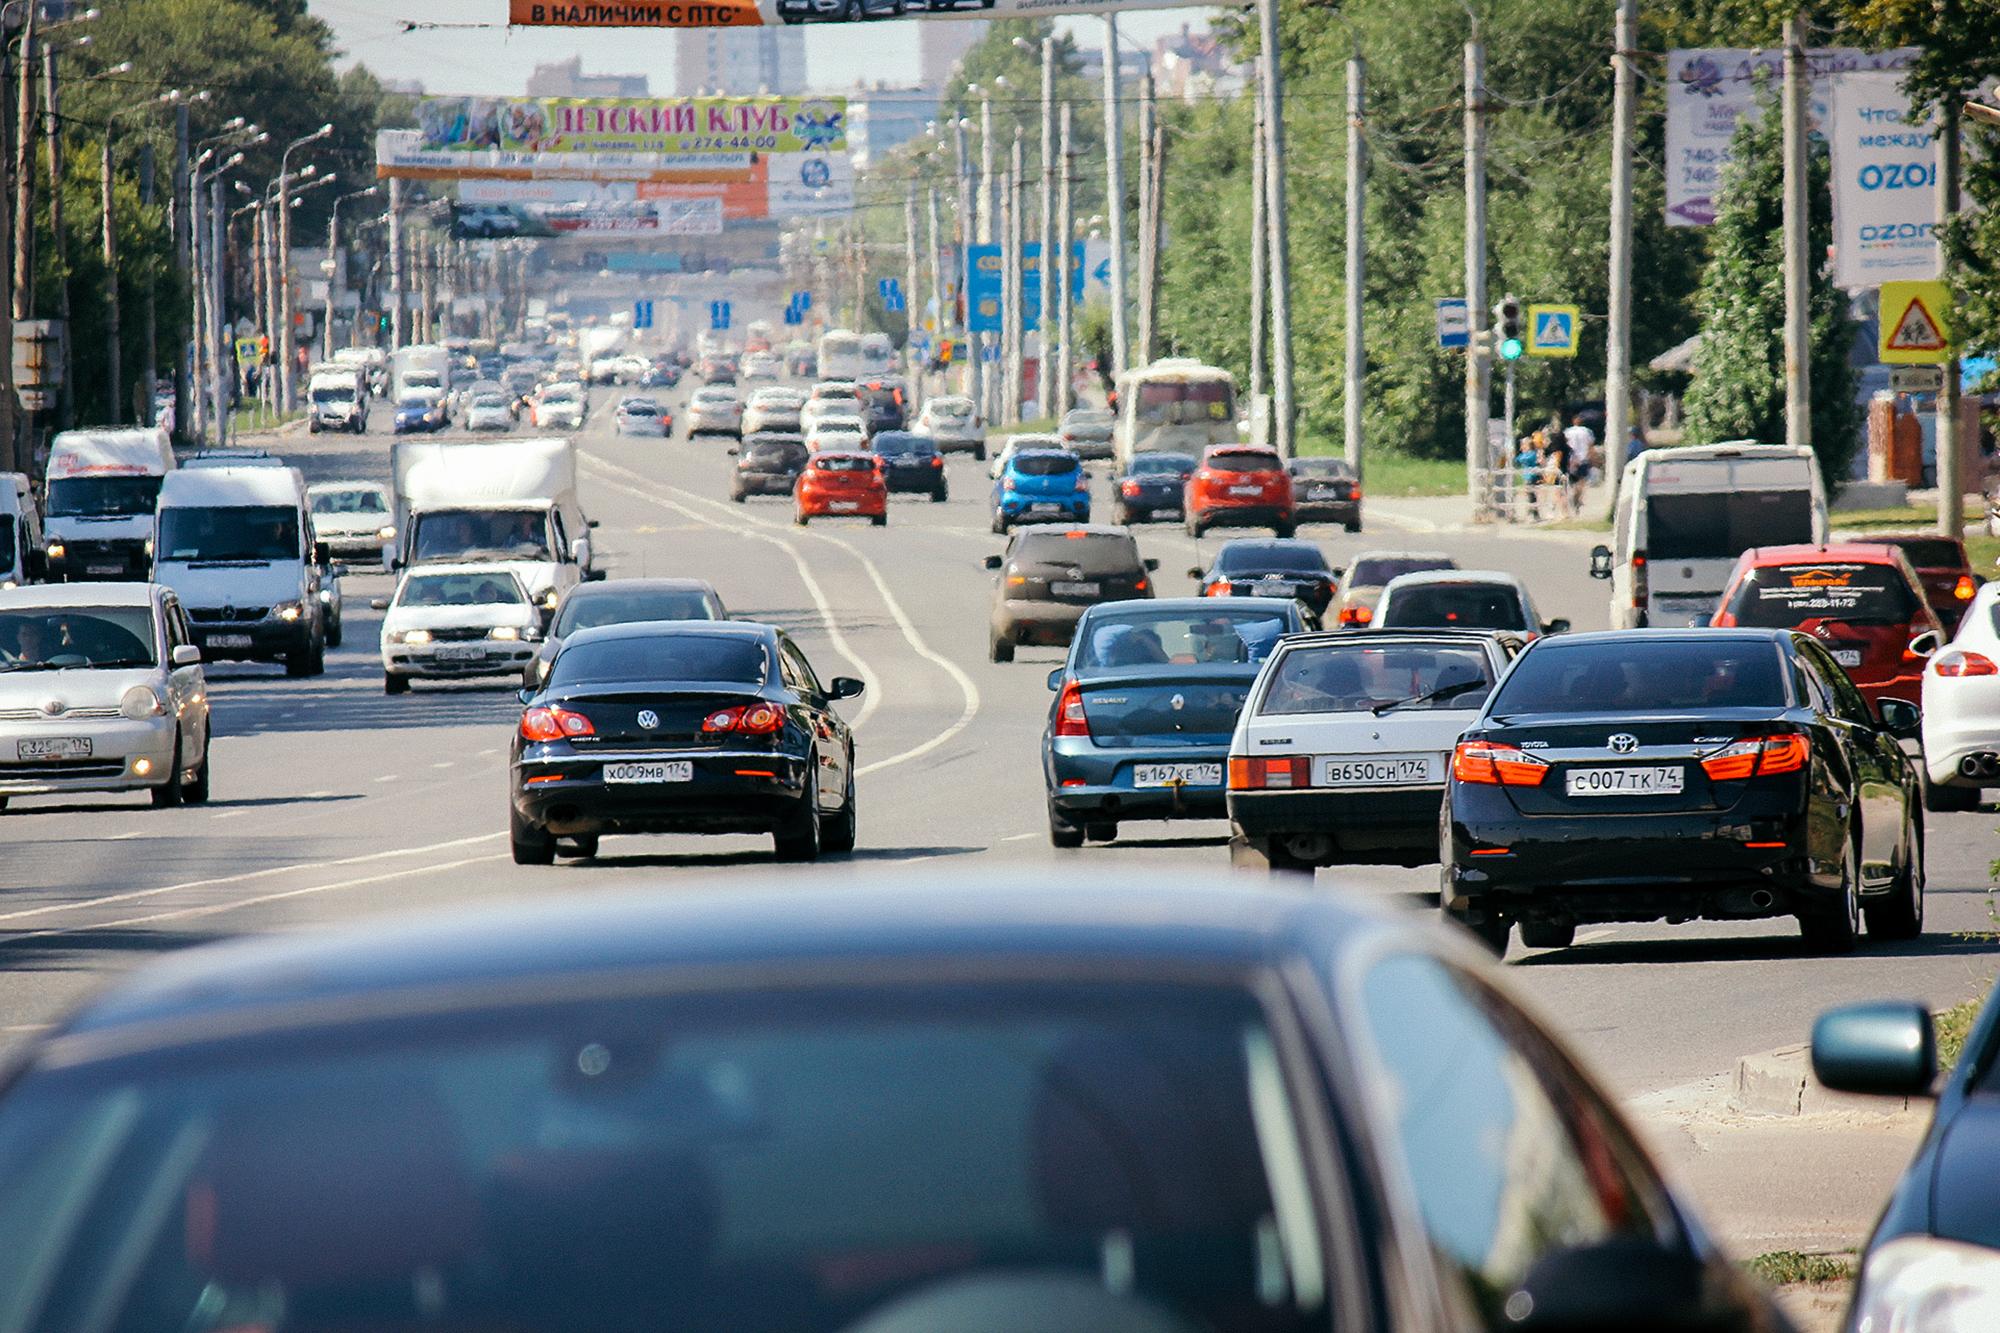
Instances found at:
x=101 y=689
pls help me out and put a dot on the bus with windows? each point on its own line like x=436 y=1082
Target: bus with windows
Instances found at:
x=1175 y=405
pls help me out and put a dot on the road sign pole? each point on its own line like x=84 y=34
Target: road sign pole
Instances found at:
x=1357 y=267
x=1478 y=390
x=1951 y=480
x=1507 y=404
x=1618 y=325
x=1798 y=280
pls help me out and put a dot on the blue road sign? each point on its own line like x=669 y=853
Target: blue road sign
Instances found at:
x=718 y=315
x=642 y=314
x=985 y=286
x=803 y=300
x=794 y=315
x=1453 y=324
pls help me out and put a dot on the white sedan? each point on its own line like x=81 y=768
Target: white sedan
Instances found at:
x=1962 y=708
x=451 y=621
x=837 y=435
x=1486 y=599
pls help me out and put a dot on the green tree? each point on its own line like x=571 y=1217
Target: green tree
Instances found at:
x=1739 y=371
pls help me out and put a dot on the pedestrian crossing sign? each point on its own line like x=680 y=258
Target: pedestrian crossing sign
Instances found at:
x=1913 y=324
x=1552 y=329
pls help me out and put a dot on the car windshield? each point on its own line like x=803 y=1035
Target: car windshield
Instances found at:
x=490 y=401
x=249 y=533
x=1357 y=676
x=844 y=463
x=1788 y=596
x=102 y=497
x=1044 y=465
x=621 y=608
x=1242 y=460
x=1456 y=605
x=417 y=401
x=1377 y=571
x=348 y=502
x=483 y=589
x=333 y=393
x=1144 y=638
x=663 y=659
x=1148 y=464
x=1276 y=557
x=1092 y=552
x=1634 y=675
x=457 y=534
x=77 y=636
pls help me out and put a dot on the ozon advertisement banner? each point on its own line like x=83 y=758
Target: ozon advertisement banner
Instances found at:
x=1885 y=211
x=765 y=13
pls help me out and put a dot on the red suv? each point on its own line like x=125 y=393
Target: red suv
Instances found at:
x=1862 y=602
x=1240 y=486
x=1943 y=571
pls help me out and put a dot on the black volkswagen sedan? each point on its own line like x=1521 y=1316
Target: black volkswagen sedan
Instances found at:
x=683 y=727
x=1136 y=1110
x=1153 y=487
x=911 y=462
x=1270 y=567
x=1682 y=774
x=767 y=463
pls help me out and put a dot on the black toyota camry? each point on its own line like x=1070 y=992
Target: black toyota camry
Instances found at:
x=1683 y=774
x=683 y=727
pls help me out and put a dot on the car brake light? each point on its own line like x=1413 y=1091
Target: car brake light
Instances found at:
x=1071 y=720
x=759 y=719
x=1219 y=588
x=1964 y=588
x=1497 y=765
x=554 y=724
x=1354 y=494
x=1760 y=756
x=937 y=462
x=1958 y=662
x=1356 y=615
x=1639 y=584
x=1264 y=772
x=1129 y=488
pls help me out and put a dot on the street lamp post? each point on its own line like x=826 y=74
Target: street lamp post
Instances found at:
x=287 y=385
x=333 y=259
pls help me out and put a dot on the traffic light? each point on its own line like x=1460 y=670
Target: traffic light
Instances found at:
x=1507 y=328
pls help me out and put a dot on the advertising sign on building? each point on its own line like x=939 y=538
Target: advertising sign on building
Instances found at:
x=1884 y=183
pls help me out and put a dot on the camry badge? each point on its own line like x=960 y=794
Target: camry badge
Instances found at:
x=1624 y=743
x=648 y=718
x=1179 y=702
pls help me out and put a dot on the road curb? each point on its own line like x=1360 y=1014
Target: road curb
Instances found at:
x=1780 y=1082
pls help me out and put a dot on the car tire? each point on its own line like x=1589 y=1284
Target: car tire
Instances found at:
x=1899 y=915
x=799 y=519
x=532 y=846
x=999 y=525
x=582 y=847
x=1493 y=931
x=1949 y=800
x=395 y=684
x=741 y=497
x=1101 y=830
x=195 y=790
x=169 y=793
x=1355 y=526
x=1000 y=649
x=880 y=520
x=299 y=662
x=1062 y=833
x=837 y=834
x=3 y=803
x=799 y=840
x=1193 y=528
x=1548 y=934
x=1836 y=927
x=939 y=496
x=334 y=633
x=979 y=454
x=1284 y=531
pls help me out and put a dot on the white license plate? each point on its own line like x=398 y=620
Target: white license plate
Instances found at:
x=1046 y=508
x=1177 y=775
x=229 y=640
x=1625 y=781
x=1065 y=589
x=1322 y=493
x=1246 y=490
x=1848 y=657
x=842 y=506
x=672 y=770
x=53 y=747
x=1382 y=770
x=104 y=569
x=460 y=652
x=1166 y=513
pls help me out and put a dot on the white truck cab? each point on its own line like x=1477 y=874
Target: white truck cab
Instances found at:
x=337 y=398
x=102 y=486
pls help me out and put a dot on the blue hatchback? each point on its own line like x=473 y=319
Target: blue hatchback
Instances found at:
x=1145 y=707
x=1041 y=486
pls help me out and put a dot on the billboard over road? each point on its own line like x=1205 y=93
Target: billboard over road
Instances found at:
x=755 y=13
x=1885 y=205
x=675 y=128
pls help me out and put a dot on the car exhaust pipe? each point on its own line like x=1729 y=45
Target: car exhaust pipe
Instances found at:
x=1309 y=846
x=1979 y=766
x=1763 y=900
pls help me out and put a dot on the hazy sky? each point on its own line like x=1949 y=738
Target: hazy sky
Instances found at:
x=478 y=58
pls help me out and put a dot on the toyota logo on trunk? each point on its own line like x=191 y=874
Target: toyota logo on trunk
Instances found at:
x=1624 y=743
x=648 y=718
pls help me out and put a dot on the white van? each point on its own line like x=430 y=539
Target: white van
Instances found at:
x=1685 y=514
x=102 y=486
x=337 y=399
x=22 y=559
x=237 y=545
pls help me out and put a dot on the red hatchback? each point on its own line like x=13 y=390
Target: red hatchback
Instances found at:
x=1862 y=602
x=1944 y=571
x=1240 y=486
x=842 y=485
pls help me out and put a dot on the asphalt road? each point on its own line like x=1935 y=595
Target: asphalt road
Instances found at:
x=334 y=802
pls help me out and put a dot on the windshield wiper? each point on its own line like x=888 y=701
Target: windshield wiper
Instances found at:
x=1442 y=693
x=232 y=561
x=120 y=662
x=34 y=666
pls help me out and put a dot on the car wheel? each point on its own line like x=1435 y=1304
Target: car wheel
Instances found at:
x=1949 y=800
x=1492 y=930
x=1355 y=526
x=1284 y=530
x=1121 y=516
x=999 y=525
x=855 y=12
x=583 y=846
x=1900 y=915
x=799 y=840
x=880 y=520
x=334 y=633
x=799 y=519
x=169 y=793
x=1193 y=528
x=395 y=684
x=837 y=834
x=1835 y=927
x=1062 y=833
x=3 y=802
x=1548 y=934
x=979 y=454
x=1101 y=831
x=741 y=497
x=939 y=496
x=532 y=846
x=299 y=662
x=195 y=790
x=1001 y=649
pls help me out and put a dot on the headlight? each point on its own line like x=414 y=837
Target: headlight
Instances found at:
x=385 y=534
x=57 y=550
x=141 y=702
x=1923 y=1285
x=507 y=632
x=413 y=636
x=550 y=598
x=286 y=611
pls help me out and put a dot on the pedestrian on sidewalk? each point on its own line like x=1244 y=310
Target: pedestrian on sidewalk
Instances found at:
x=1635 y=442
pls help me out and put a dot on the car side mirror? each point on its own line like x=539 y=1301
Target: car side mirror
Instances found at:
x=1152 y=563
x=846 y=687
x=731 y=452
x=1600 y=562
x=590 y=522
x=1194 y=572
x=1626 y=1282
x=186 y=654
x=378 y=603
x=1556 y=626
x=1056 y=677
x=1900 y=717
x=321 y=554
x=594 y=575
x=1886 y=1048
x=994 y=561
x=579 y=550
x=525 y=694
x=1924 y=643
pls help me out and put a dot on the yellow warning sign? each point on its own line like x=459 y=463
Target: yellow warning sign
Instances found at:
x=1914 y=323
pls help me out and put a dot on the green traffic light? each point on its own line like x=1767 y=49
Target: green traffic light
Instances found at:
x=1511 y=349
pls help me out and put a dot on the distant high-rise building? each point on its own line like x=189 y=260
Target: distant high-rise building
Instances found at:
x=567 y=79
x=739 y=62
x=941 y=45
x=881 y=120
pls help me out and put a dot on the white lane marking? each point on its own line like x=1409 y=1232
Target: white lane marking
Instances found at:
x=221 y=815
x=448 y=763
x=136 y=894
x=1019 y=837
x=1592 y=936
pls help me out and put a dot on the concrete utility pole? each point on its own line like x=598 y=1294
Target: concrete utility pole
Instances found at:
x=397 y=301
x=197 y=349
x=1618 y=330
x=942 y=326
x=1357 y=265
x=1148 y=235
x=287 y=375
x=1156 y=227
x=177 y=193
x=1950 y=462
x=1260 y=283
x=1054 y=266
x=1277 y=217
x=149 y=371
x=1114 y=196
x=912 y=307
x=52 y=130
x=22 y=438
x=1798 y=262
x=1065 y=229
x=114 y=357
x=984 y=379
x=1478 y=362
x=1015 y=312
x=966 y=231
x=218 y=313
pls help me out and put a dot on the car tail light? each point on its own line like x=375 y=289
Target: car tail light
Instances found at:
x=1219 y=588
x=1639 y=583
x=1760 y=756
x=1129 y=488
x=1082 y=481
x=1964 y=588
x=1497 y=765
x=1354 y=494
x=1268 y=772
x=1958 y=662
x=1356 y=615
x=1071 y=720
x=1010 y=484
x=760 y=719
x=937 y=462
x=554 y=724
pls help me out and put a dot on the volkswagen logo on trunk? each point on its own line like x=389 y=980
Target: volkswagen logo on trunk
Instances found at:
x=1624 y=743
x=648 y=718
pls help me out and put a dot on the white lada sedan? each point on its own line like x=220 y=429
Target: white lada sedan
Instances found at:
x=101 y=689
x=449 y=621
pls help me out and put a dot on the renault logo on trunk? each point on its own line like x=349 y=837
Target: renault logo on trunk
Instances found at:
x=648 y=718
x=1624 y=743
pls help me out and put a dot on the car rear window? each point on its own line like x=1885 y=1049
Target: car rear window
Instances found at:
x=661 y=659
x=1092 y=552
x=1178 y=464
x=844 y=463
x=1144 y=638
x=1287 y=557
x=1456 y=606
x=1711 y=525
x=1044 y=465
x=1336 y=468
x=1358 y=676
x=1788 y=596
x=623 y=608
x=1376 y=572
x=1636 y=675
x=1243 y=460
x=902 y=442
